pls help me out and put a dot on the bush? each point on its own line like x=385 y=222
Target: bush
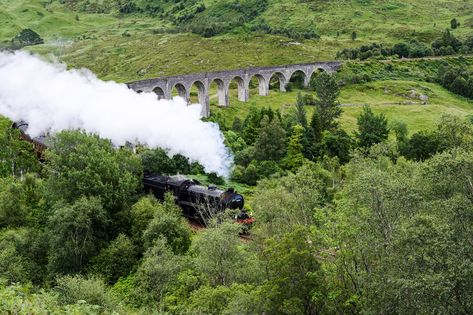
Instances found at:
x=76 y=288
x=27 y=37
x=116 y=260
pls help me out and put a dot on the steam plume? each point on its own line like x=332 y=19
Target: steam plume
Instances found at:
x=51 y=98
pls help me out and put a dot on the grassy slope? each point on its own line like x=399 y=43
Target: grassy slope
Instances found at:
x=384 y=96
x=97 y=42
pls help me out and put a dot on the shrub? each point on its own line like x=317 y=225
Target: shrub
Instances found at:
x=76 y=288
x=27 y=37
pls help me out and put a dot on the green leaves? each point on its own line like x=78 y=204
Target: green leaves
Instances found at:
x=79 y=164
x=372 y=129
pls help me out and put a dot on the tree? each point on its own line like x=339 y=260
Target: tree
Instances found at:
x=301 y=114
x=294 y=157
x=271 y=141
x=372 y=128
x=353 y=35
x=337 y=143
x=27 y=37
x=447 y=40
x=290 y=201
x=169 y=224
x=219 y=257
x=17 y=156
x=76 y=233
x=142 y=212
x=454 y=23
x=293 y=269
x=421 y=146
x=116 y=260
x=454 y=132
x=158 y=270
x=327 y=105
x=22 y=202
x=79 y=164
x=75 y=288
x=157 y=161
x=251 y=125
x=401 y=49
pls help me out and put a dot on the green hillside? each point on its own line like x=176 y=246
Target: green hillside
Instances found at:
x=130 y=46
x=159 y=38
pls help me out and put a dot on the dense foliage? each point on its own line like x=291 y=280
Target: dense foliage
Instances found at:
x=445 y=45
x=456 y=79
x=373 y=221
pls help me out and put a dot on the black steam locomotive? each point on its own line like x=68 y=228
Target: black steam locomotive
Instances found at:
x=197 y=201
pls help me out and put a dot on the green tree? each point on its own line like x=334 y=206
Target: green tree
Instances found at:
x=15 y=265
x=327 y=106
x=234 y=141
x=454 y=132
x=236 y=299
x=219 y=257
x=79 y=165
x=26 y=37
x=251 y=125
x=301 y=114
x=169 y=224
x=372 y=128
x=159 y=270
x=76 y=233
x=291 y=266
x=353 y=35
x=142 y=212
x=401 y=49
x=421 y=146
x=157 y=161
x=271 y=141
x=22 y=202
x=290 y=201
x=17 y=156
x=116 y=260
x=337 y=143
x=294 y=157
x=75 y=288
x=454 y=23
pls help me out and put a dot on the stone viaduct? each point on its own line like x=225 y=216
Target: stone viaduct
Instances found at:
x=164 y=86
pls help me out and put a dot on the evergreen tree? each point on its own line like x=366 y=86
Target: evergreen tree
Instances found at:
x=294 y=158
x=353 y=35
x=271 y=142
x=314 y=137
x=372 y=128
x=337 y=143
x=327 y=105
x=301 y=115
x=454 y=23
x=251 y=126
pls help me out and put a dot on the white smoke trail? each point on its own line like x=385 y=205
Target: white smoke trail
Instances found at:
x=51 y=98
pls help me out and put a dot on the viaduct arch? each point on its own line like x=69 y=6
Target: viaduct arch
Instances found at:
x=164 y=86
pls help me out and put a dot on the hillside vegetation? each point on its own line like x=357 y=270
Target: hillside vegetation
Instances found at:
x=145 y=43
x=360 y=184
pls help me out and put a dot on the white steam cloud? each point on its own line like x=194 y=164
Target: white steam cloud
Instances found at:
x=51 y=98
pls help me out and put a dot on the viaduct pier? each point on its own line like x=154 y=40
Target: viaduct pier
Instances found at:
x=183 y=84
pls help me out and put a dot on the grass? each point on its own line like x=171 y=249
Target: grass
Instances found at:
x=390 y=97
x=126 y=48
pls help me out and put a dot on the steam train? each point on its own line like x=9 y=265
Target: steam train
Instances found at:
x=197 y=201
